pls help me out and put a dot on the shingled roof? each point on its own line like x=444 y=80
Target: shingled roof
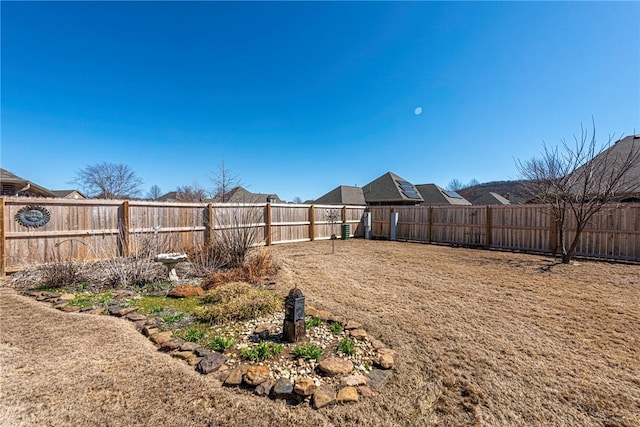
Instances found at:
x=343 y=195
x=13 y=185
x=435 y=195
x=391 y=189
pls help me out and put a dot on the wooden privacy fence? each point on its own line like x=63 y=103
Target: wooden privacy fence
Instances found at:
x=613 y=233
x=100 y=229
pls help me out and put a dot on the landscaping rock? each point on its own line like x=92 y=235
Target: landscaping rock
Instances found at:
x=377 y=344
x=264 y=388
x=188 y=346
x=69 y=308
x=147 y=331
x=256 y=374
x=265 y=330
x=211 y=362
x=358 y=333
x=347 y=394
x=333 y=366
x=160 y=337
x=136 y=317
x=116 y=310
x=323 y=396
x=354 y=380
x=304 y=387
x=60 y=304
x=378 y=378
x=282 y=389
x=202 y=352
x=170 y=345
x=366 y=391
x=187 y=356
x=385 y=358
x=352 y=324
x=66 y=297
x=96 y=311
x=183 y=291
x=235 y=377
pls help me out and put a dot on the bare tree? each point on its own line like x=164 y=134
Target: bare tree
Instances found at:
x=191 y=193
x=154 y=192
x=223 y=182
x=578 y=179
x=455 y=185
x=108 y=181
x=297 y=200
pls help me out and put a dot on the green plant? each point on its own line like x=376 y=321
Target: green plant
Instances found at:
x=173 y=318
x=221 y=343
x=313 y=322
x=336 y=327
x=155 y=310
x=308 y=351
x=236 y=302
x=87 y=300
x=347 y=347
x=263 y=351
x=192 y=334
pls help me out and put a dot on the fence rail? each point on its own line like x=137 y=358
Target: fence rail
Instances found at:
x=98 y=229
x=613 y=233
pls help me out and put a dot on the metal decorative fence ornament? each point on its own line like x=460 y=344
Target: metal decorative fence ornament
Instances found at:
x=33 y=216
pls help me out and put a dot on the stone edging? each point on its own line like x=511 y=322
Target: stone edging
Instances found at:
x=257 y=377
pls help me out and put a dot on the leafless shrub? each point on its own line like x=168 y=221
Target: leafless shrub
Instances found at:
x=258 y=267
x=61 y=274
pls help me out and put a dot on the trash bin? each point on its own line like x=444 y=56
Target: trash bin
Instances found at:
x=346 y=231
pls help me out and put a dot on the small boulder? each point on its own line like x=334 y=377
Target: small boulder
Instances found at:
x=66 y=297
x=136 y=317
x=256 y=374
x=282 y=389
x=264 y=388
x=187 y=356
x=265 y=330
x=170 y=345
x=358 y=333
x=211 y=362
x=333 y=366
x=235 y=377
x=352 y=324
x=160 y=337
x=183 y=291
x=354 y=380
x=323 y=396
x=304 y=387
x=347 y=394
x=378 y=378
x=385 y=358
x=147 y=331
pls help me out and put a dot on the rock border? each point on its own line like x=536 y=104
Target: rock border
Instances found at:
x=256 y=377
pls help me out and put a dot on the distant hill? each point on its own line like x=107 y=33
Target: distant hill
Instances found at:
x=514 y=191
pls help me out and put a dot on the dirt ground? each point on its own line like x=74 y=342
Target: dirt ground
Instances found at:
x=483 y=338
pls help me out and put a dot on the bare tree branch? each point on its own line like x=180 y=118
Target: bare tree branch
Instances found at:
x=108 y=181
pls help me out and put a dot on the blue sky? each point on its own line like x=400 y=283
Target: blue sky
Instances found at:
x=300 y=97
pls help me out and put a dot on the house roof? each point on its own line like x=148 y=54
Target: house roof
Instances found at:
x=68 y=194
x=241 y=195
x=616 y=154
x=435 y=195
x=343 y=195
x=11 y=184
x=491 y=198
x=391 y=189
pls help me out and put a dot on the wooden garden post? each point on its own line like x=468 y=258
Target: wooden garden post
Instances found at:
x=210 y=224
x=267 y=228
x=487 y=241
x=312 y=223
x=124 y=229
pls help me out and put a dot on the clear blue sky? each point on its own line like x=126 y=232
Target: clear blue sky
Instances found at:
x=298 y=98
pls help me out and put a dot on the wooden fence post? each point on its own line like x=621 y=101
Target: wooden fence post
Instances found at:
x=124 y=229
x=3 y=255
x=211 y=224
x=430 y=224
x=312 y=223
x=267 y=227
x=344 y=214
x=488 y=223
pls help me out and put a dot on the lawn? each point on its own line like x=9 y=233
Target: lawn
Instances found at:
x=483 y=338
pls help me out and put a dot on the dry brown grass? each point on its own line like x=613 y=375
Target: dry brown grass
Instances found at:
x=258 y=266
x=484 y=338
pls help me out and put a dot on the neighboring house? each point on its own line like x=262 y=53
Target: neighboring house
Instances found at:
x=434 y=195
x=343 y=195
x=513 y=191
x=615 y=154
x=68 y=194
x=491 y=198
x=391 y=189
x=175 y=197
x=13 y=185
x=241 y=195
